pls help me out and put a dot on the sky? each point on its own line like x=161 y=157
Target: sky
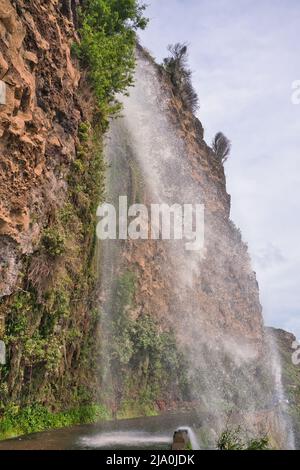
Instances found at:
x=245 y=57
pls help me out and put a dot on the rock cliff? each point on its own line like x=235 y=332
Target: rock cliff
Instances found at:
x=50 y=184
x=38 y=123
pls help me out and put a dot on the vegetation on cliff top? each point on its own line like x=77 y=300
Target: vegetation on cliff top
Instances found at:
x=177 y=69
x=107 y=45
x=176 y=66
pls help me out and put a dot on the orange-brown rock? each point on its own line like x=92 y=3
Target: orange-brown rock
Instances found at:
x=38 y=124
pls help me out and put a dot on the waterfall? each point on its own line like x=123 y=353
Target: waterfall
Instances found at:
x=208 y=297
x=192 y=436
x=285 y=421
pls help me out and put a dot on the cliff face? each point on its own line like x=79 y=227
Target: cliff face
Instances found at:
x=38 y=123
x=50 y=184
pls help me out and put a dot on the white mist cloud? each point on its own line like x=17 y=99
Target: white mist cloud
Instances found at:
x=245 y=57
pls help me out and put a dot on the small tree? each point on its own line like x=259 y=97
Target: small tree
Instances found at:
x=221 y=146
x=176 y=66
x=107 y=46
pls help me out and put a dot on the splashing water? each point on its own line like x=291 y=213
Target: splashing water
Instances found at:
x=124 y=439
x=192 y=436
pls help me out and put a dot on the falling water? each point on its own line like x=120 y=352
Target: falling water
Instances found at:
x=281 y=398
x=192 y=436
x=213 y=304
x=125 y=439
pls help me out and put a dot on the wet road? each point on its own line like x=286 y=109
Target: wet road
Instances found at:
x=151 y=433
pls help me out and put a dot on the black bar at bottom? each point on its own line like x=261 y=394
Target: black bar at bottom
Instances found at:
x=150 y=459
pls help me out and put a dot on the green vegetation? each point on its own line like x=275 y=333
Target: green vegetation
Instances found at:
x=180 y=75
x=53 y=242
x=233 y=439
x=136 y=407
x=37 y=418
x=258 y=444
x=87 y=178
x=144 y=357
x=107 y=45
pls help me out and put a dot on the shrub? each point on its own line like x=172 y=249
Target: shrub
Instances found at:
x=53 y=242
x=221 y=146
x=177 y=68
x=108 y=44
x=17 y=321
x=232 y=439
x=144 y=357
x=84 y=130
x=16 y=421
x=258 y=444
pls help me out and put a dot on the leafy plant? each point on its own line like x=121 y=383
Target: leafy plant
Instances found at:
x=221 y=146
x=144 y=357
x=107 y=45
x=232 y=439
x=36 y=418
x=258 y=444
x=53 y=242
x=84 y=131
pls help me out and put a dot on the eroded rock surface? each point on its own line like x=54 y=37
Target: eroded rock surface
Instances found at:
x=38 y=125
